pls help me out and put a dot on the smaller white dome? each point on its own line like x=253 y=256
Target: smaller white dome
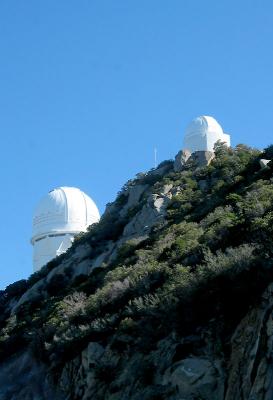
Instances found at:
x=202 y=133
x=202 y=125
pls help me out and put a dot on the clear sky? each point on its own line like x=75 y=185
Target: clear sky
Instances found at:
x=88 y=88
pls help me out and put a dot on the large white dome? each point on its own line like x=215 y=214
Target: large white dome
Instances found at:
x=58 y=217
x=64 y=209
x=202 y=133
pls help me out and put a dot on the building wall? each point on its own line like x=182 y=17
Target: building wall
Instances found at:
x=204 y=142
x=213 y=137
x=48 y=247
x=195 y=142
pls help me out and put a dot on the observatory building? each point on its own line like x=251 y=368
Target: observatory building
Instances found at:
x=59 y=216
x=202 y=133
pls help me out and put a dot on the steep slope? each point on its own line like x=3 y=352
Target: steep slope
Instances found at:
x=168 y=297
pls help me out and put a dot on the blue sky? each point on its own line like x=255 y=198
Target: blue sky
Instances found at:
x=89 y=88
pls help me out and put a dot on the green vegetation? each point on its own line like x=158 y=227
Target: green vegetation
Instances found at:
x=212 y=257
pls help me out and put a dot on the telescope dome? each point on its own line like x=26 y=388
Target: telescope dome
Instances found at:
x=58 y=217
x=202 y=133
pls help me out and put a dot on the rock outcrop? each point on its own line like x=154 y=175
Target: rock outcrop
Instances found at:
x=245 y=374
x=180 y=160
x=198 y=159
x=264 y=162
x=250 y=366
x=22 y=377
x=202 y=158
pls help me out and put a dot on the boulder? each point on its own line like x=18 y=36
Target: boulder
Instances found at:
x=263 y=163
x=22 y=377
x=196 y=378
x=180 y=160
x=250 y=367
x=134 y=197
x=202 y=158
x=152 y=212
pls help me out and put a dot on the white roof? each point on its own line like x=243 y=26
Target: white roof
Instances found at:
x=203 y=125
x=64 y=210
x=202 y=133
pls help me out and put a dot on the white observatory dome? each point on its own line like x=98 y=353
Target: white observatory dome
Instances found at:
x=58 y=217
x=202 y=134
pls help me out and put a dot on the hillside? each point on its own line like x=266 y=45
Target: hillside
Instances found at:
x=169 y=296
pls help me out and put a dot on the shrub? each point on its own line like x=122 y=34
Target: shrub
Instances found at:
x=72 y=305
x=16 y=289
x=105 y=371
x=268 y=152
x=56 y=284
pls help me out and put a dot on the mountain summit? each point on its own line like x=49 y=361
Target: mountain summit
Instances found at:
x=169 y=296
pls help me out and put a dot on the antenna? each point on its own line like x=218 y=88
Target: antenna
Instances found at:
x=155 y=154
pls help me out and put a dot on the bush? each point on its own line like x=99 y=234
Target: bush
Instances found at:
x=105 y=371
x=56 y=284
x=16 y=289
x=268 y=152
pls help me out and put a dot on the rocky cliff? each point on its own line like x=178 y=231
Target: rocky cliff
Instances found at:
x=168 y=297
